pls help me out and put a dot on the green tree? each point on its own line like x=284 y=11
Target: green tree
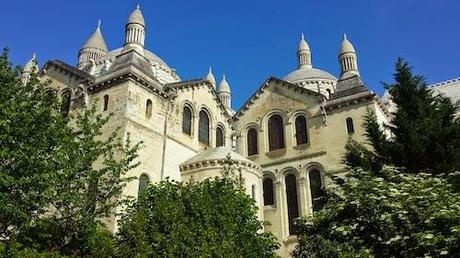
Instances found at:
x=391 y=215
x=59 y=177
x=213 y=218
x=425 y=132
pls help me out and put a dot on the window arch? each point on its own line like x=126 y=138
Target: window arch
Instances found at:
x=105 y=107
x=203 y=130
x=143 y=183
x=316 y=189
x=220 y=138
x=350 y=126
x=252 y=139
x=148 y=108
x=253 y=192
x=301 y=131
x=292 y=202
x=275 y=133
x=269 y=197
x=187 y=120
x=329 y=93
x=65 y=104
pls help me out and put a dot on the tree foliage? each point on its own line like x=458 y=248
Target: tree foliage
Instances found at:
x=58 y=179
x=212 y=218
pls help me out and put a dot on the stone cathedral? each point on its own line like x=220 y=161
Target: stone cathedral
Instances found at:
x=284 y=139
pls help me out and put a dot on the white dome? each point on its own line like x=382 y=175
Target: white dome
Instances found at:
x=346 y=46
x=224 y=86
x=308 y=74
x=31 y=65
x=137 y=17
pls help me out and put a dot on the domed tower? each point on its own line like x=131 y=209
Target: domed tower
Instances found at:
x=304 y=54
x=225 y=94
x=135 y=31
x=30 y=67
x=210 y=78
x=348 y=60
x=93 y=49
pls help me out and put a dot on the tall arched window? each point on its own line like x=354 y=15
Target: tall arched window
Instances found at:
x=292 y=202
x=106 y=103
x=350 y=126
x=275 y=133
x=301 y=133
x=253 y=192
x=143 y=183
x=269 y=198
x=187 y=120
x=220 y=139
x=148 y=108
x=203 y=130
x=252 y=142
x=316 y=189
x=65 y=104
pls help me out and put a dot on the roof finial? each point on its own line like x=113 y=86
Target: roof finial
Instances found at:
x=344 y=36
x=99 y=23
x=138 y=6
x=34 y=56
x=210 y=69
x=223 y=77
x=303 y=37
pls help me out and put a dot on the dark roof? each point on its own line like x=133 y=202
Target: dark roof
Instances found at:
x=349 y=90
x=75 y=71
x=132 y=59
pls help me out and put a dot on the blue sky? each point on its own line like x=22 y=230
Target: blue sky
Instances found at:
x=245 y=39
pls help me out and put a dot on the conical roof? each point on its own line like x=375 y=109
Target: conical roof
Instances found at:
x=96 y=40
x=136 y=16
x=303 y=45
x=31 y=65
x=210 y=77
x=224 y=86
x=346 y=45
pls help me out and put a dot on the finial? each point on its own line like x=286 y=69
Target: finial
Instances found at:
x=344 y=36
x=210 y=69
x=99 y=23
x=138 y=6
x=34 y=56
x=224 y=77
x=303 y=37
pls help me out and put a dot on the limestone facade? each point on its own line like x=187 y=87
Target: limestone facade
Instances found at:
x=189 y=127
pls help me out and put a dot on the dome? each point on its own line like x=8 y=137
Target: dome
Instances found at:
x=136 y=16
x=303 y=45
x=210 y=77
x=217 y=154
x=96 y=40
x=224 y=86
x=308 y=74
x=31 y=65
x=346 y=45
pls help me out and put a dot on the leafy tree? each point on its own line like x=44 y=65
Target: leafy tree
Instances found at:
x=425 y=132
x=213 y=218
x=391 y=215
x=59 y=180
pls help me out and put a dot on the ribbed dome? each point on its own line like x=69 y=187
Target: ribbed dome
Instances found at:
x=216 y=154
x=308 y=74
x=136 y=16
x=96 y=40
x=346 y=45
x=224 y=86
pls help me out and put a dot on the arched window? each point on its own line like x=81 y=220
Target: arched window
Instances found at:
x=106 y=103
x=252 y=142
x=220 y=139
x=292 y=202
x=148 y=108
x=65 y=104
x=269 y=198
x=143 y=183
x=203 y=130
x=187 y=120
x=275 y=133
x=253 y=192
x=329 y=93
x=350 y=126
x=316 y=189
x=301 y=133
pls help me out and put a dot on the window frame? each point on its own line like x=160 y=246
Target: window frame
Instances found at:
x=252 y=144
x=276 y=128
x=187 y=130
x=204 y=139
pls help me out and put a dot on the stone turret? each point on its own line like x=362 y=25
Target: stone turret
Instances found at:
x=94 y=48
x=30 y=67
x=210 y=77
x=348 y=60
x=225 y=94
x=135 y=31
x=304 y=54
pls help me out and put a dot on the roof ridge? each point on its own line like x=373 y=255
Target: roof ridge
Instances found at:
x=446 y=82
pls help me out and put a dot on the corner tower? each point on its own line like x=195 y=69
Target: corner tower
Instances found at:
x=94 y=48
x=348 y=60
x=135 y=31
x=304 y=54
